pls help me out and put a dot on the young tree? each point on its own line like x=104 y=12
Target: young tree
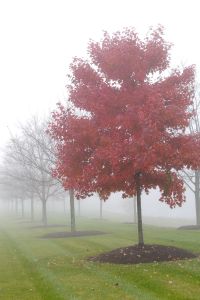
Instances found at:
x=124 y=129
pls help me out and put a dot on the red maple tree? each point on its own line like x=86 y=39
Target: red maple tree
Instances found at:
x=125 y=129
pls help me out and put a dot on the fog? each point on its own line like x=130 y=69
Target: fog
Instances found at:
x=39 y=39
x=114 y=209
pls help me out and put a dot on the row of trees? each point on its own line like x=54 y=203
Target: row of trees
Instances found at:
x=26 y=172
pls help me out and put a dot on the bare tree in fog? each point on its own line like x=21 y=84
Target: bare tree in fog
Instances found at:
x=192 y=177
x=18 y=177
x=33 y=151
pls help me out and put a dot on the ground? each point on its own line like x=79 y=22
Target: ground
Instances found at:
x=143 y=254
x=33 y=268
x=190 y=227
x=127 y=255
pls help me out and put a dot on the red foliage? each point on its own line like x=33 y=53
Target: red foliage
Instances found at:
x=133 y=112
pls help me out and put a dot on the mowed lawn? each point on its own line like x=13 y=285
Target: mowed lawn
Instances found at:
x=36 y=268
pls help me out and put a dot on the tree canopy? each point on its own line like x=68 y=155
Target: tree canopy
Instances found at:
x=128 y=115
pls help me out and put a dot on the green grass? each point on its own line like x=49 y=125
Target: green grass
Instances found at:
x=35 y=268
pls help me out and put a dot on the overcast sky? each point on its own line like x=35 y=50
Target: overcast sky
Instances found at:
x=38 y=39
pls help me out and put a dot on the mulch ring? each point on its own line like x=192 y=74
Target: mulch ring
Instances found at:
x=190 y=227
x=65 y=234
x=48 y=226
x=142 y=254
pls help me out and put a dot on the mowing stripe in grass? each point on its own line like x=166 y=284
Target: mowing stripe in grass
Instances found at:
x=152 y=286
x=42 y=280
x=61 y=265
x=107 y=276
x=14 y=278
x=49 y=278
x=153 y=283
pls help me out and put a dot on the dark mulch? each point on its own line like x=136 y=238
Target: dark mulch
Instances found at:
x=190 y=227
x=99 y=219
x=66 y=234
x=146 y=254
x=25 y=222
x=48 y=226
x=132 y=223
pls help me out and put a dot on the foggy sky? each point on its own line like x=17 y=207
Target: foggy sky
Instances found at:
x=40 y=37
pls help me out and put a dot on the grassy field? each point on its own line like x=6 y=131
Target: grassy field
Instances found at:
x=35 y=268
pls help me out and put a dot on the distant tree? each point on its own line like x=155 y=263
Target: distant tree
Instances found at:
x=130 y=207
x=192 y=177
x=125 y=127
x=12 y=191
x=32 y=152
x=134 y=209
x=15 y=179
x=101 y=209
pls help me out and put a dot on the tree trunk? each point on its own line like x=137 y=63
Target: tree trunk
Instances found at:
x=12 y=205
x=22 y=206
x=101 y=209
x=134 y=209
x=16 y=207
x=197 y=196
x=44 y=202
x=79 y=208
x=44 y=212
x=64 y=207
x=32 y=209
x=139 y=210
x=72 y=211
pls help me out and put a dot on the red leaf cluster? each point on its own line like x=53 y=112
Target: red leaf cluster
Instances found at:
x=136 y=113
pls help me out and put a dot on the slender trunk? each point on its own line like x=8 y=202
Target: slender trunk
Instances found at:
x=139 y=210
x=72 y=211
x=44 y=212
x=197 y=196
x=53 y=205
x=22 y=206
x=13 y=205
x=7 y=206
x=134 y=209
x=44 y=203
x=32 y=209
x=64 y=207
x=10 y=205
x=101 y=209
x=16 y=206
x=79 y=208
